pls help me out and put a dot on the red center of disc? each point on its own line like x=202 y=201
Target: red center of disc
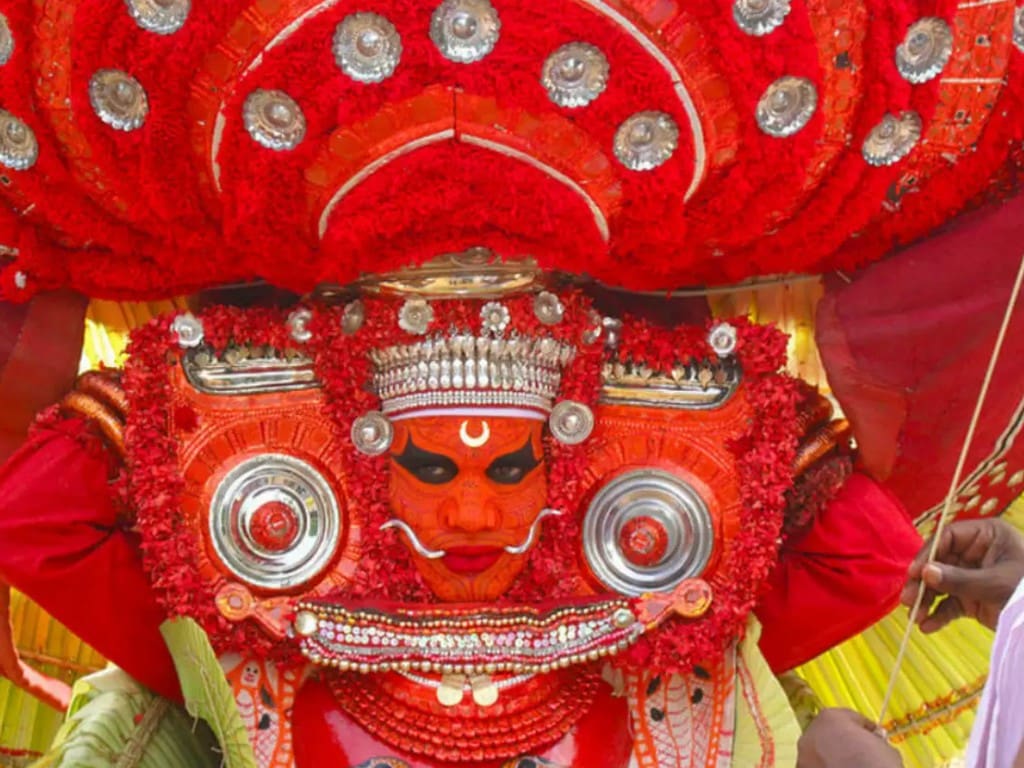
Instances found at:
x=274 y=526
x=643 y=541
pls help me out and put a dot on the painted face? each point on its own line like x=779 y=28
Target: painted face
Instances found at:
x=470 y=488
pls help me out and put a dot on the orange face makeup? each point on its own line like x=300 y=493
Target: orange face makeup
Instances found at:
x=468 y=487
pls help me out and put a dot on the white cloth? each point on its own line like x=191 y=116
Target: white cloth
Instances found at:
x=998 y=731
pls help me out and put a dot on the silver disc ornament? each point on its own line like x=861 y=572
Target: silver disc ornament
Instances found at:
x=18 y=147
x=646 y=140
x=367 y=47
x=786 y=106
x=925 y=50
x=118 y=99
x=465 y=30
x=575 y=74
x=274 y=522
x=274 y=120
x=892 y=139
x=647 y=530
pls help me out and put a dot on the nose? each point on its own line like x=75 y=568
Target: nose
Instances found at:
x=473 y=509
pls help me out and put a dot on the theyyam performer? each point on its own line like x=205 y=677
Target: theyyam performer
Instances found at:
x=417 y=464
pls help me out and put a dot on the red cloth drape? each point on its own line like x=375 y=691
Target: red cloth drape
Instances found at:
x=62 y=545
x=40 y=347
x=906 y=345
x=842 y=576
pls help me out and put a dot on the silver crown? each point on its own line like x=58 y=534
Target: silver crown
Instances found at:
x=461 y=370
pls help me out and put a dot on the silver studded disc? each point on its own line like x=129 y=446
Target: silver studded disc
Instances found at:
x=646 y=140
x=289 y=499
x=18 y=148
x=372 y=433
x=892 y=139
x=494 y=318
x=6 y=41
x=273 y=119
x=164 y=17
x=415 y=316
x=722 y=339
x=571 y=422
x=575 y=74
x=353 y=317
x=759 y=17
x=786 y=106
x=367 y=47
x=465 y=30
x=666 y=501
x=188 y=330
x=548 y=308
x=118 y=99
x=1018 y=28
x=925 y=50
x=298 y=324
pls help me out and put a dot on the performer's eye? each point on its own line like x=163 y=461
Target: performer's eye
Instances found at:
x=426 y=466
x=513 y=467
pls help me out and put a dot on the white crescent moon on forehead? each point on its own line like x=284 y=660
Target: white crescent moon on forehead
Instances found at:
x=479 y=440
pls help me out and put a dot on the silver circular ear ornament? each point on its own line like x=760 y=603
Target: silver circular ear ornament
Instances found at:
x=571 y=422
x=372 y=433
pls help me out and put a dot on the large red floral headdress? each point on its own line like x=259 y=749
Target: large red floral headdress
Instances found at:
x=152 y=148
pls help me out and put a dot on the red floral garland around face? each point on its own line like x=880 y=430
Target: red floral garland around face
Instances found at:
x=764 y=458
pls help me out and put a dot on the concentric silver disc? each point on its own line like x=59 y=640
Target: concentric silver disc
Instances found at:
x=646 y=531
x=274 y=522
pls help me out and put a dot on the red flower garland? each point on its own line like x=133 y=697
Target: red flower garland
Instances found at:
x=763 y=458
x=764 y=463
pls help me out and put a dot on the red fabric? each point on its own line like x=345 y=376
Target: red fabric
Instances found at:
x=40 y=346
x=61 y=545
x=906 y=346
x=845 y=574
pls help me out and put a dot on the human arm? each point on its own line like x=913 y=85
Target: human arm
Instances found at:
x=61 y=543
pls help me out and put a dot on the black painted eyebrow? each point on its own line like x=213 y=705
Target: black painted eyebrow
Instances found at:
x=522 y=458
x=413 y=459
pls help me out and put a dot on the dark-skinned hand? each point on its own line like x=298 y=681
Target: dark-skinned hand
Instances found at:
x=977 y=567
x=842 y=738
